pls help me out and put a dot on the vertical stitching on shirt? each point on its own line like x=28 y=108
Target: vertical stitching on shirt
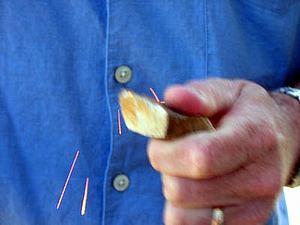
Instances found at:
x=109 y=111
x=206 y=39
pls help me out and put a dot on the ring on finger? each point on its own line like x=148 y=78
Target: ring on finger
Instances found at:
x=217 y=217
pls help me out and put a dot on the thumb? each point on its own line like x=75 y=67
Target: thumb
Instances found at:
x=206 y=98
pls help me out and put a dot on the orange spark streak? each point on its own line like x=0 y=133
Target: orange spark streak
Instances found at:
x=67 y=180
x=84 y=200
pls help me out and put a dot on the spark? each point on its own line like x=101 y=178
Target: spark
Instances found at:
x=84 y=200
x=154 y=94
x=119 y=123
x=67 y=180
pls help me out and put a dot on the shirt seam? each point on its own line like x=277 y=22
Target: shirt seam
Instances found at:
x=206 y=40
x=109 y=110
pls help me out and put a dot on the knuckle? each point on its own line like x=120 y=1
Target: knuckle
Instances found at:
x=153 y=156
x=182 y=216
x=172 y=217
x=270 y=136
x=267 y=134
x=262 y=186
x=196 y=163
x=261 y=134
x=174 y=192
x=200 y=162
x=204 y=159
x=250 y=85
x=252 y=130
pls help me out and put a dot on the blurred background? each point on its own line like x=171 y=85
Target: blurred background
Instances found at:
x=292 y=196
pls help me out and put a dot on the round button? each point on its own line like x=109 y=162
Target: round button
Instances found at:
x=123 y=74
x=121 y=182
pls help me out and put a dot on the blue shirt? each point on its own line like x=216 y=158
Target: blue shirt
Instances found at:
x=58 y=93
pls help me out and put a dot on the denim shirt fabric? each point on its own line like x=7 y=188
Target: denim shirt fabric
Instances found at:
x=58 y=93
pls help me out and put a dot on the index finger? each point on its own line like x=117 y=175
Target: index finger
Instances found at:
x=206 y=155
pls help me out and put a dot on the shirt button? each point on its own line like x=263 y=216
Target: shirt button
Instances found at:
x=121 y=182
x=123 y=74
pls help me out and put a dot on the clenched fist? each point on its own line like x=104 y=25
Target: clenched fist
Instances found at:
x=241 y=167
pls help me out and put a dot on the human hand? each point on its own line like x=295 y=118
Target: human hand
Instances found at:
x=240 y=167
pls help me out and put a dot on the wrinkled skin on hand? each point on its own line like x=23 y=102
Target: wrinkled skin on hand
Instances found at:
x=241 y=166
